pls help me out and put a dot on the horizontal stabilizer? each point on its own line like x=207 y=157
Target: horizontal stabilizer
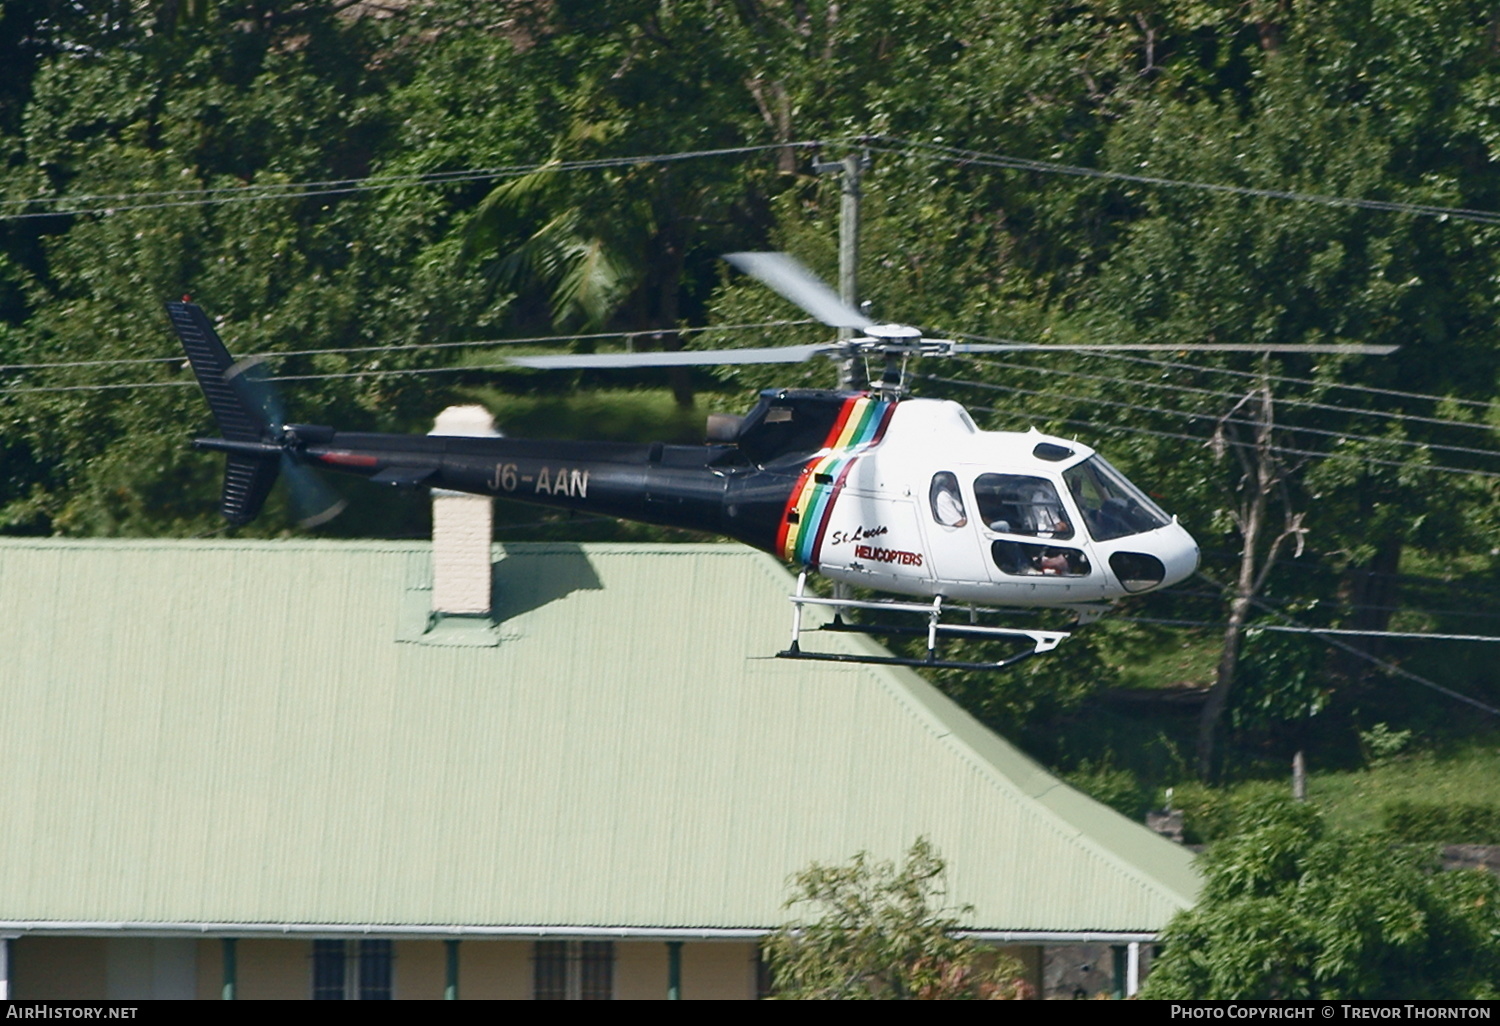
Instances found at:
x=403 y=477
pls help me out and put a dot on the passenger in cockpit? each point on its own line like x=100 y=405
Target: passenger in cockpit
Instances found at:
x=947 y=503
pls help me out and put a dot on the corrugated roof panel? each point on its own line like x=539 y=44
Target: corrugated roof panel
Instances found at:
x=232 y=732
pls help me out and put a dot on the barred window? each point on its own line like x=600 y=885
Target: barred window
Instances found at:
x=352 y=970
x=550 y=972
x=573 y=970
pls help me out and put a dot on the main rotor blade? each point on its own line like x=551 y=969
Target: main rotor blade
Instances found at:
x=1351 y=349
x=779 y=271
x=684 y=358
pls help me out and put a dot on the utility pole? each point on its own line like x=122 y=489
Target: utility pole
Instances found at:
x=850 y=169
x=851 y=369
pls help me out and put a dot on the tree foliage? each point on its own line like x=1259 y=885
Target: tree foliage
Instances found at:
x=883 y=932
x=1290 y=910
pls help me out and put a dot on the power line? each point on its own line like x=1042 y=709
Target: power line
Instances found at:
x=1218 y=393
x=548 y=339
x=1310 y=630
x=1366 y=656
x=1346 y=608
x=1340 y=632
x=1279 y=400
x=1279 y=378
x=1287 y=450
x=1408 y=582
x=304 y=190
x=955 y=155
x=1095 y=425
x=1355 y=607
x=1310 y=382
x=475 y=344
x=159 y=198
x=95 y=388
x=1191 y=415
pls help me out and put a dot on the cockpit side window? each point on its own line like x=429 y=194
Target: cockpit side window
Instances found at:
x=1017 y=504
x=1112 y=507
x=946 y=500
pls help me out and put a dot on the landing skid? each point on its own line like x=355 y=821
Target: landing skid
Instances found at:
x=1041 y=641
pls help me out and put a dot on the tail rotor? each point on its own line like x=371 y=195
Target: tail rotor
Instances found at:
x=256 y=440
x=313 y=500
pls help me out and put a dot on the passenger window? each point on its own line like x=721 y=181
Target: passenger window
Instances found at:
x=1016 y=504
x=1024 y=559
x=946 y=501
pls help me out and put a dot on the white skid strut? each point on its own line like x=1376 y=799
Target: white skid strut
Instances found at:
x=1041 y=641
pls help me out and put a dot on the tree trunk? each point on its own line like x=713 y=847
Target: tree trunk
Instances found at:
x=1263 y=475
x=1234 y=633
x=671 y=257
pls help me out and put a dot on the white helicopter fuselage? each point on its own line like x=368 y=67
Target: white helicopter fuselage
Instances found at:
x=937 y=507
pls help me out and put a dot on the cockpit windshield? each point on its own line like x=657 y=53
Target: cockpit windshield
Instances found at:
x=1112 y=507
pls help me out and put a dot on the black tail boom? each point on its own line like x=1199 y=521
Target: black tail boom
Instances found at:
x=712 y=488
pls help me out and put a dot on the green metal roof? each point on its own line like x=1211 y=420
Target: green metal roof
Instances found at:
x=235 y=732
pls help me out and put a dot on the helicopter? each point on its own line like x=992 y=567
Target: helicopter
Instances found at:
x=870 y=489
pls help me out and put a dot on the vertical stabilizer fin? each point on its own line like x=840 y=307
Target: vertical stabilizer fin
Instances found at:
x=247 y=478
x=238 y=421
x=247 y=482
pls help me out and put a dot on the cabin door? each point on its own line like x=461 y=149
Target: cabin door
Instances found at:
x=945 y=512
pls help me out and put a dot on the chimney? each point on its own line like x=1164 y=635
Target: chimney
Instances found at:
x=463 y=526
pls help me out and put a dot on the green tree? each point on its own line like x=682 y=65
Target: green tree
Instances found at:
x=883 y=932
x=1326 y=100
x=219 y=105
x=1290 y=910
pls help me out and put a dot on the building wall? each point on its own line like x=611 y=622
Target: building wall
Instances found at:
x=273 y=970
x=281 y=969
x=718 y=971
x=150 y=968
x=421 y=970
x=1086 y=970
x=640 y=970
x=210 y=969
x=107 y=968
x=57 y=967
x=494 y=970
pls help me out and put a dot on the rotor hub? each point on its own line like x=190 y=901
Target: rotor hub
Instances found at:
x=901 y=334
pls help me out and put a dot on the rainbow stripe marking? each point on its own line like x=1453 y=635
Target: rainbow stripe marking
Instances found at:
x=860 y=425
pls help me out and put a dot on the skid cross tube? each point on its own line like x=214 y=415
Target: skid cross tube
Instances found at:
x=931 y=664
x=1041 y=641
